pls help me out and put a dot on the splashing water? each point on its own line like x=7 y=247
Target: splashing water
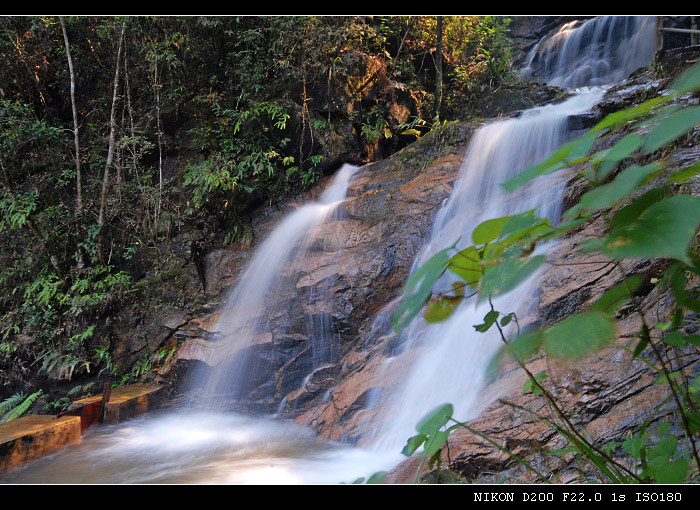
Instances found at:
x=197 y=447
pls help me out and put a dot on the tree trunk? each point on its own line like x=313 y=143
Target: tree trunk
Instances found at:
x=438 y=68
x=79 y=200
x=112 y=129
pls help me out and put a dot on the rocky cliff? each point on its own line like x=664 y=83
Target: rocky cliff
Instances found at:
x=359 y=262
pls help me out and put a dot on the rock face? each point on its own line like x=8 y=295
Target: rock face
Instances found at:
x=359 y=263
x=355 y=264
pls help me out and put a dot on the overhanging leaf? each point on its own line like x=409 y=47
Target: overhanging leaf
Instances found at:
x=614 y=298
x=580 y=335
x=504 y=277
x=435 y=419
x=625 y=183
x=664 y=230
x=673 y=127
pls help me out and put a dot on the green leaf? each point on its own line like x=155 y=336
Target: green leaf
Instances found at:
x=408 y=309
x=624 y=148
x=436 y=441
x=377 y=478
x=693 y=422
x=418 y=289
x=465 y=264
x=686 y=173
x=672 y=472
x=561 y=158
x=529 y=386
x=489 y=319
x=580 y=335
x=624 y=116
x=413 y=443
x=688 y=80
x=630 y=213
x=504 y=277
x=674 y=338
x=617 y=296
x=675 y=126
x=506 y=319
x=440 y=308
x=525 y=345
x=428 y=273
x=435 y=419
x=625 y=183
x=664 y=230
x=488 y=230
x=665 y=448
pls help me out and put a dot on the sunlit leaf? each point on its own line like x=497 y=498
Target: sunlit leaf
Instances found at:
x=580 y=335
x=664 y=230
x=440 y=308
x=673 y=127
x=465 y=264
x=488 y=230
x=435 y=419
x=686 y=173
x=504 y=277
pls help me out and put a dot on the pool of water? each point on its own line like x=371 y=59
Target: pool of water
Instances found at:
x=195 y=447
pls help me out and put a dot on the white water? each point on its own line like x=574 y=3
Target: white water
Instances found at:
x=189 y=447
x=197 y=448
x=599 y=51
x=244 y=320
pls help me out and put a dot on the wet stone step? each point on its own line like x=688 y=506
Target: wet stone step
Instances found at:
x=125 y=402
x=34 y=436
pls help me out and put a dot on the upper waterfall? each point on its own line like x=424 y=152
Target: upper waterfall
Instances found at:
x=598 y=51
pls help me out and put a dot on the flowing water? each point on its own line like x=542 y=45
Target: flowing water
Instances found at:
x=599 y=51
x=245 y=319
x=453 y=351
x=219 y=447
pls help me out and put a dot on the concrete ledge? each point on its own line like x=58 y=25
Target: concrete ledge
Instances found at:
x=125 y=402
x=34 y=436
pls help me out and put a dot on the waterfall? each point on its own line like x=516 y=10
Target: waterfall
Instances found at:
x=599 y=51
x=244 y=321
x=453 y=357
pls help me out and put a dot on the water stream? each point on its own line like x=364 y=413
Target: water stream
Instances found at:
x=216 y=447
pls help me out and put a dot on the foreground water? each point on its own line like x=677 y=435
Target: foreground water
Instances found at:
x=201 y=447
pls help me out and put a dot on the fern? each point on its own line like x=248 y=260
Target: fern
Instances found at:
x=17 y=405
x=11 y=402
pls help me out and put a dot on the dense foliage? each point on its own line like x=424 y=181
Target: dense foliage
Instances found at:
x=119 y=133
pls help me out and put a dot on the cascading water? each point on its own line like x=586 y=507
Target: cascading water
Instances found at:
x=453 y=360
x=244 y=322
x=452 y=363
x=599 y=51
